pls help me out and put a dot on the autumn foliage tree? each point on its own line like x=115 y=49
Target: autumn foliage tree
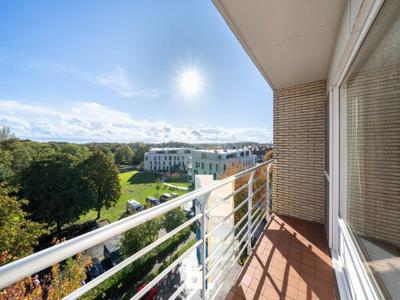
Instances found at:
x=259 y=189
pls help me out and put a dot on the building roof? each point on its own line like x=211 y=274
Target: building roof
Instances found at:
x=291 y=42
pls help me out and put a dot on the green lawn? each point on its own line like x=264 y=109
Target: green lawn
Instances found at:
x=134 y=185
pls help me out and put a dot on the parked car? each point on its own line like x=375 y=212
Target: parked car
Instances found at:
x=165 y=197
x=150 y=295
x=174 y=195
x=152 y=201
x=96 y=268
x=112 y=252
x=132 y=206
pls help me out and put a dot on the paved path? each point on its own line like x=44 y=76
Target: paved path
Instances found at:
x=184 y=188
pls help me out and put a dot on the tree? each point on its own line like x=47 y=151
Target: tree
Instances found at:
x=140 y=236
x=6 y=134
x=18 y=235
x=174 y=218
x=56 y=190
x=6 y=171
x=124 y=155
x=101 y=175
x=241 y=196
x=140 y=150
x=58 y=284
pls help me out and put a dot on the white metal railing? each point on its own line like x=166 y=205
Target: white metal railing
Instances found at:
x=36 y=262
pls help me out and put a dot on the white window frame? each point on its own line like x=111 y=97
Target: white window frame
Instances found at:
x=355 y=282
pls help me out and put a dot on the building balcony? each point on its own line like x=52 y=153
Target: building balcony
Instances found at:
x=291 y=260
x=280 y=257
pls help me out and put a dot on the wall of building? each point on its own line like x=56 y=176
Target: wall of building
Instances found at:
x=299 y=151
x=217 y=162
x=164 y=160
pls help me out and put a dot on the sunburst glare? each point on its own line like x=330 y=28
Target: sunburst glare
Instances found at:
x=190 y=82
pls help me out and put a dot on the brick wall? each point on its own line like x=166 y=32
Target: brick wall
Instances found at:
x=373 y=153
x=299 y=151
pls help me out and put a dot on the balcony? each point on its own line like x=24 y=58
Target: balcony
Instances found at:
x=290 y=261
x=283 y=257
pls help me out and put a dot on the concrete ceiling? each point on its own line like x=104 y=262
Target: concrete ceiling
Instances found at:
x=290 y=41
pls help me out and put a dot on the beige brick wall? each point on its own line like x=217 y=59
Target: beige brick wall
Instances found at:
x=373 y=153
x=299 y=151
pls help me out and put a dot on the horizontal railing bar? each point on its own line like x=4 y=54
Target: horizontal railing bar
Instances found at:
x=178 y=291
x=219 y=203
x=259 y=189
x=241 y=204
x=216 y=263
x=256 y=212
x=85 y=288
x=192 y=294
x=259 y=222
x=220 y=245
x=241 y=231
x=219 y=224
x=241 y=241
x=168 y=269
x=256 y=179
x=239 y=253
x=246 y=185
x=259 y=201
x=259 y=216
x=241 y=220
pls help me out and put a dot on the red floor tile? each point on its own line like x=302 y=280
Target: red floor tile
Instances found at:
x=291 y=261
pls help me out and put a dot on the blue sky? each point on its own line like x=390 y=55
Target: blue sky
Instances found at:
x=110 y=71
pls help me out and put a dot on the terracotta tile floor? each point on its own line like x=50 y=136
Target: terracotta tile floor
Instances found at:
x=291 y=261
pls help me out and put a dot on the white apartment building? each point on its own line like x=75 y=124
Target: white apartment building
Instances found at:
x=167 y=159
x=215 y=162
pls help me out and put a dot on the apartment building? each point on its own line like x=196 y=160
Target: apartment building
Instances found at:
x=215 y=162
x=167 y=159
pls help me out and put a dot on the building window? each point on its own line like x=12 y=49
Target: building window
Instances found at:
x=370 y=151
x=216 y=167
x=210 y=166
x=202 y=166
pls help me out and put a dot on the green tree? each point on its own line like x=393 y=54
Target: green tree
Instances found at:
x=18 y=235
x=6 y=171
x=174 y=218
x=141 y=236
x=140 y=150
x=56 y=190
x=124 y=155
x=101 y=175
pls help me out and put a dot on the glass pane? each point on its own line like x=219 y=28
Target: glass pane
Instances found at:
x=370 y=151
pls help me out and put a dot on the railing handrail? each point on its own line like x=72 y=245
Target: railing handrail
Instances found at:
x=41 y=260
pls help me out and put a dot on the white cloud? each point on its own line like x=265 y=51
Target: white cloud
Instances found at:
x=118 y=82
x=91 y=121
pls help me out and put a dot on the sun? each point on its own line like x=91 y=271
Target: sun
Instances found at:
x=190 y=83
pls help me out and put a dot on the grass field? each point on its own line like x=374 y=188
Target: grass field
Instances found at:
x=134 y=185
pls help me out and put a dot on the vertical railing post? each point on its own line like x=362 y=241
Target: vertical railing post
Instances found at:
x=268 y=191
x=250 y=210
x=203 y=231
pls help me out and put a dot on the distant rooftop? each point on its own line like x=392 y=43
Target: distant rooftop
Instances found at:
x=222 y=151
